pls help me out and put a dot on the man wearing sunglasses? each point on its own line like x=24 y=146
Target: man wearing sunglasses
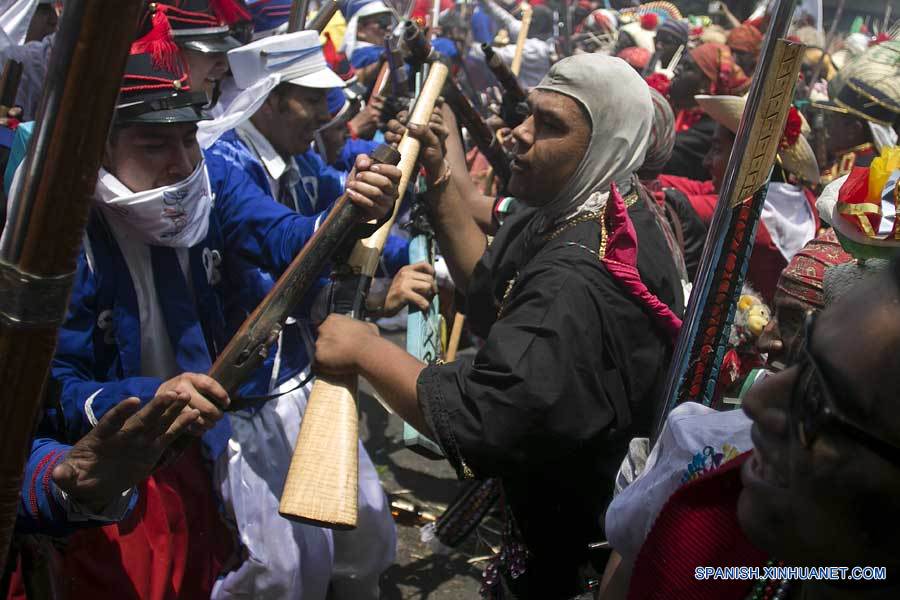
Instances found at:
x=824 y=478
x=368 y=23
x=817 y=486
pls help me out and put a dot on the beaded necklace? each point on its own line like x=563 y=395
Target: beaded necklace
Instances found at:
x=768 y=589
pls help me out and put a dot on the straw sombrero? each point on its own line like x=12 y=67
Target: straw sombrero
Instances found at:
x=798 y=158
x=869 y=87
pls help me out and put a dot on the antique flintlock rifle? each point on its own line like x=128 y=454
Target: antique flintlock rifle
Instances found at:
x=322 y=482
x=700 y=348
x=43 y=238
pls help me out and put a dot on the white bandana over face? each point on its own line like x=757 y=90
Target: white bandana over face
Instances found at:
x=176 y=215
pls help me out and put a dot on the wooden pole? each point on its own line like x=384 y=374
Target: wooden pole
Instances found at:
x=455 y=335
x=516 y=65
x=37 y=264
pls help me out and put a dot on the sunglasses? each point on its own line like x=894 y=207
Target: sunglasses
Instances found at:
x=383 y=21
x=813 y=407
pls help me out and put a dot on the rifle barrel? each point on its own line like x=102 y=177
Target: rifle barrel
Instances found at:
x=418 y=45
x=484 y=138
x=503 y=74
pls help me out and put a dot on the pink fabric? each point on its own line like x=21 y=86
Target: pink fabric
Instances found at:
x=621 y=261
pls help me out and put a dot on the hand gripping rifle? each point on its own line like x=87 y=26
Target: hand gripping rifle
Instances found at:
x=43 y=237
x=321 y=486
x=249 y=346
x=701 y=345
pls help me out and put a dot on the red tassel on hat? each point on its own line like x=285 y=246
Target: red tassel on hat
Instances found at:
x=649 y=21
x=159 y=43
x=229 y=11
x=330 y=52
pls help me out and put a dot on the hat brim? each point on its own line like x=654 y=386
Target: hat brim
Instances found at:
x=321 y=79
x=188 y=114
x=799 y=159
x=214 y=44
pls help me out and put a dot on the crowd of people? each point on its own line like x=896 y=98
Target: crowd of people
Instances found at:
x=233 y=138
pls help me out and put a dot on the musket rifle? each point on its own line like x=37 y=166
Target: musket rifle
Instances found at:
x=44 y=234
x=321 y=486
x=248 y=348
x=514 y=109
x=710 y=312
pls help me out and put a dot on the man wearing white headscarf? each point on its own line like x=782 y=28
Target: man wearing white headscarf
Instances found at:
x=572 y=362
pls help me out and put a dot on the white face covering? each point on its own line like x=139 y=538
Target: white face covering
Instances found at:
x=175 y=215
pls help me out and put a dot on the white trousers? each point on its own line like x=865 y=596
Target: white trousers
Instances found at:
x=283 y=559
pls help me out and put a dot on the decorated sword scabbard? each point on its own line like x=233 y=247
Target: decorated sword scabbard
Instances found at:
x=694 y=370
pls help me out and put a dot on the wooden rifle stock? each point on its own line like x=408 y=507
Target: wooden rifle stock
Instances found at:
x=323 y=17
x=321 y=486
x=484 y=138
x=39 y=257
x=249 y=346
x=506 y=78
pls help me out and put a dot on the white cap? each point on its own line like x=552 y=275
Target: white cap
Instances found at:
x=296 y=57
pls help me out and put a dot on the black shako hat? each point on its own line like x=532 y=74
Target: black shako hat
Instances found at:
x=201 y=25
x=156 y=85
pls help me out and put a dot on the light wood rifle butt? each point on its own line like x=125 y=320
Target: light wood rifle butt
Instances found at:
x=322 y=483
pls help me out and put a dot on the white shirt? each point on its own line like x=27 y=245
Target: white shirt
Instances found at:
x=157 y=355
x=276 y=166
x=535 y=53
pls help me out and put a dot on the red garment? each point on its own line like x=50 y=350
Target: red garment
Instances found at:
x=698 y=526
x=635 y=56
x=424 y=8
x=766 y=262
x=804 y=277
x=173 y=545
x=717 y=63
x=745 y=38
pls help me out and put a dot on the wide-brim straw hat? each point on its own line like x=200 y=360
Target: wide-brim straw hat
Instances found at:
x=798 y=158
